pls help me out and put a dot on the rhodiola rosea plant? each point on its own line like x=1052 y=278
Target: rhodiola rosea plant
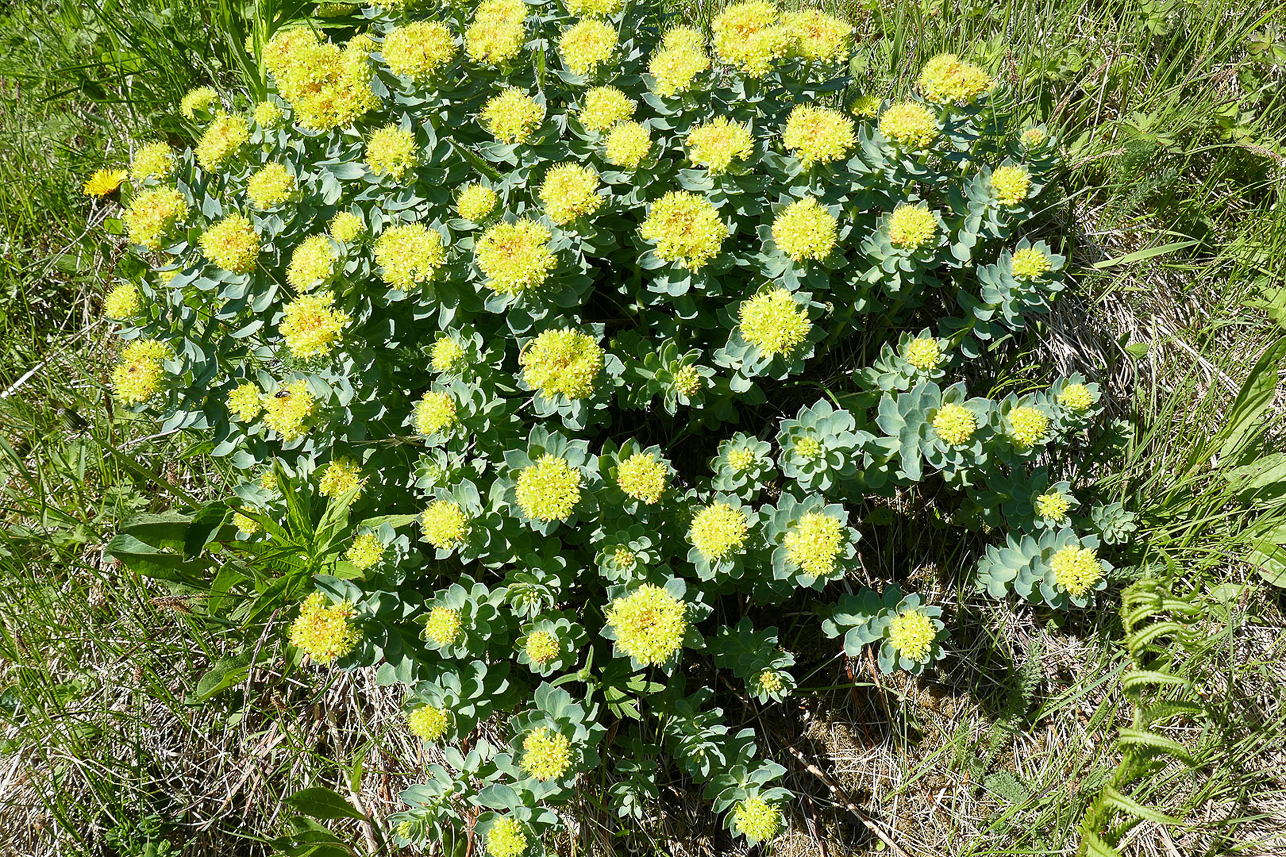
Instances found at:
x=494 y=312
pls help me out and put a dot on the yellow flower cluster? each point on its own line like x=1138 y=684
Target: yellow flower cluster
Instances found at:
x=955 y=424
x=593 y=8
x=604 y=107
x=1076 y=569
x=311 y=326
x=924 y=353
x=815 y=543
x=751 y=36
x=945 y=78
x=409 y=254
x=103 y=182
x=506 y=839
x=288 y=409
x=772 y=322
x=312 y=262
x=428 y=723
x=1030 y=263
x=1011 y=184
x=222 y=140
x=328 y=88
x=446 y=355
x=152 y=215
x=445 y=525
x=324 y=631
x=756 y=819
x=515 y=256
x=912 y=633
x=139 y=375
x=628 y=143
x=245 y=524
x=1076 y=397
x=624 y=557
x=587 y=45
x=818 y=135
x=562 y=362
x=678 y=62
x=818 y=37
x=1053 y=506
x=718 y=530
x=909 y=124
x=1027 y=427
x=569 y=191
x=546 y=754
x=340 y=476
x=1034 y=138
x=154 y=159
x=912 y=226
x=268 y=115
x=542 y=647
x=232 y=244
x=549 y=489
x=643 y=477
x=270 y=185
x=443 y=626
x=391 y=151
x=805 y=230
x=512 y=116
x=418 y=49
x=434 y=413
x=365 y=552
x=122 y=302
x=649 y=624
x=742 y=458
x=685 y=228
x=476 y=202
x=688 y=381
x=198 y=100
x=245 y=402
x=866 y=106
x=496 y=34
x=346 y=226
x=717 y=143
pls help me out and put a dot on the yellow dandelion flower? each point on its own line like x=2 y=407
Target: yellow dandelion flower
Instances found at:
x=122 y=302
x=546 y=754
x=818 y=135
x=562 y=362
x=542 y=647
x=819 y=37
x=866 y=106
x=268 y=115
x=1076 y=397
x=909 y=124
x=593 y=8
x=912 y=226
x=643 y=477
x=496 y=34
x=324 y=631
x=419 y=49
x=476 y=202
x=688 y=381
x=506 y=839
x=155 y=160
x=270 y=186
x=287 y=411
x=311 y=326
x=245 y=524
x=311 y=263
x=1011 y=184
x=231 y=244
x=365 y=552
x=604 y=107
x=549 y=489
x=587 y=45
x=409 y=254
x=685 y=228
x=444 y=524
x=153 y=214
x=1027 y=427
x=1076 y=569
x=924 y=353
x=140 y=374
x=718 y=530
x=198 y=100
x=772 y=322
x=103 y=182
x=716 y=144
x=756 y=819
x=945 y=78
x=245 y=402
x=1030 y=263
x=750 y=36
x=649 y=624
x=428 y=723
x=1053 y=506
x=434 y=413
x=512 y=116
x=391 y=151
x=673 y=69
x=222 y=140
x=570 y=191
x=345 y=227
x=628 y=143
x=912 y=633
x=341 y=476
x=446 y=355
x=814 y=544
x=955 y=424
x=515 y=257
x=805 y=230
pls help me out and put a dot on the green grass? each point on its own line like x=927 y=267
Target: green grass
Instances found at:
x=1173 y=125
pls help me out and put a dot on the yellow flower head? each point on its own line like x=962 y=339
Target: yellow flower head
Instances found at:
x=1027 y=427
x=268 y=480
x=593 y=8
x=909 y=124
x=718 y=530
x=542 y=647
x=341 y=476
x=122 y=302
x=166 y=277
x=955 y=424
x=444 y=524
x=312 y=262
x=269 y=186
x=740 y=459
x=153 y=214
x=756 y=819
x=818 y=135
x=223 y=139
x=324 y=631
x=346 y=226
x=1030 y=263
x=1053 y=506
x=808 y=448
x=327 y=87
x=685 y=228
x=245 y=402
x=286 y=411
x=1034 y=138
x=154 y=159
x=562 y=362
x=546 y=754
x=688 y=381
x=443 y=626
x=232 y=244
x=512 y=116
x=912 y=633
x=446 y=355
x=1076 y=397
x=428 y=723
x=365 y=552
x=476 y=202
x=805 y=230
x=649 y=624
x=268 y=115
x=409 y=254
x=1011 y=184
x=419 y=49
x=924 y=353
x=245 y=524
x=570 y=191
x=912 y=226
x=198 y=100
x=436 y=412
x=772 y=322
x=624 y=557
x=140 y=373
x=391 y=151
x=819 y=37
x=628 y=143
x=103 y=182
x=814 y=543
x=643 y=477
x=1076 y=569
x=604 y=107
x=312 y=326
x=673 y=69
x=496 y=34
x=750 y=36
x=549 y=489
x=866 y=106
x=515 y=257
x=506 y=839
x=717 y=143
x=769 y=681
x=587 y=45
x=946 y=78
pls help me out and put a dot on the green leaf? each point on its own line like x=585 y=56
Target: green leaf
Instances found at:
x=1135 y=678
x=225 y=673
x=1253 y=401
x=322 y=803
x=1125 y=803
x=1153 y=741
x=1146 y=253
x=205 y=527
x=151 y=562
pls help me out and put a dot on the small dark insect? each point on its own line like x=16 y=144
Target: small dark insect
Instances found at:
x=281 y=394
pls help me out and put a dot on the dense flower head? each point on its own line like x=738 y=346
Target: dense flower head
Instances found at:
x=232 y=244
x=197 y=101
x=428 y=723
x=549 y=489
x=327 y=87
x=446 y=355
x=340 y=476
x=391 y=151
x=245 y=402
x=140 y=374
x=569 y=191
x=688 y=381
x=311 y=262
x=268 y=115
x=818 y=135
x=768 y=681
x=604 y=107
x=345 y=227
x=1053 y=506
x=122 y=302
x=311 y=326
x=805 y=230
x=808 y=448
x=324 y=631
x=717 y=143
x=587 y=45
x=153 y=214
x=909 y=124
x=271 y=185
x=1034 y=138
x=418 y=49
x=1030 y=263
x=649 y=624
x=515 y=256
x=750 y=36
x=409 y=254
x=153 y=159
x=365 y=552
x=542 y=647
x=866 y=106
x=546 y=754
x=912 y=633
x=476 y=202
x=103 y=182
x=268 y=480
x=685 y=228
x=674 y=69
x=683 y=37
x=512 y=116
x=955 y=424
x=444 y=524
x=506 y=838
x=718 y=530
x=434 y=413
x=818 y=37
x=222 y=139
x=287 y=411
x=912 y=226
x=443 y=626
x=1076 y=397
x=945 y=78
x=740 y=459
x=924 y=353
x=496 y=34
x=1011 y=184
x=593 y=8
x=756 y=819
x=628 y=143
x=1076 y=569
x=1027 y=426
x=643 y=477
x=245 y=524
x=624 y=557
x=814 y=543
x=772 y=322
